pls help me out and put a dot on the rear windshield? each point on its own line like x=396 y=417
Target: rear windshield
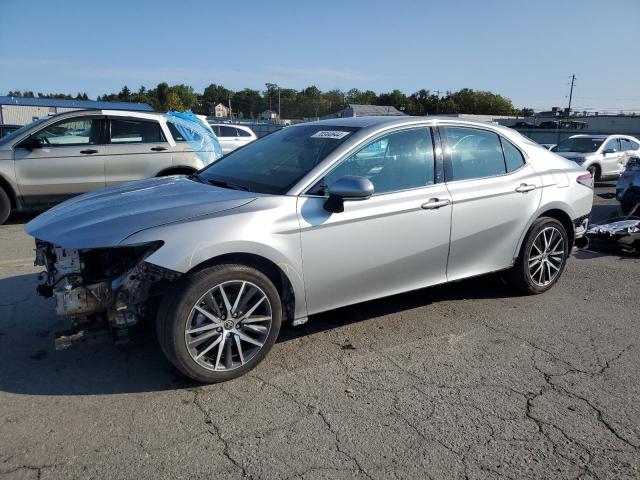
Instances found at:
x=276 y=162
x=579 y=145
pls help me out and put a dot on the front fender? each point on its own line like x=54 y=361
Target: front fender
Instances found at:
x=273 y=235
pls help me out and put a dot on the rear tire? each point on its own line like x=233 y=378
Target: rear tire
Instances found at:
x=630 y=200
x=542 y=257
x=5 y=206
x=595 y=172
x=188 y=313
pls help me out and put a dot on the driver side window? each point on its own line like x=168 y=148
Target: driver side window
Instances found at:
x=70 y=132
x=398 y=161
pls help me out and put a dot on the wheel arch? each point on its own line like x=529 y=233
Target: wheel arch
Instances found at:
x=553 y=211
x=273 y=271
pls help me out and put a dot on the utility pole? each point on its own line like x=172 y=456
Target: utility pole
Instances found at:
x=573 y=81
x=230 y=111
x=437 y=101
x=279 y=117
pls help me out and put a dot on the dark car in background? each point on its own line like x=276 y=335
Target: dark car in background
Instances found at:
x=6 y=129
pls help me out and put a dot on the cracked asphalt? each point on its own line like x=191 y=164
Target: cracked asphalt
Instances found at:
x=458 y=381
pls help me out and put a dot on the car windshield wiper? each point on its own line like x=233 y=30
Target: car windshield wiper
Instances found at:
x=223 y=183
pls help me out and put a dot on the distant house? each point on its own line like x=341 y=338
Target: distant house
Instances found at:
x=24 y=110
x=220 y=111
x=365 y=111
x=269 y=115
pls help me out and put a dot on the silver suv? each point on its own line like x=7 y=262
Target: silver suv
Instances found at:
x=603 y=155
x=58 y=157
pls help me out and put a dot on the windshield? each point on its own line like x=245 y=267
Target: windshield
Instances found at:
x=579 y=144
x=21 y=130
x=275 y=163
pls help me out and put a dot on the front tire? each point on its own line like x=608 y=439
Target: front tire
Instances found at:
x=220 y=322
x=5 y=206
x=542 y=257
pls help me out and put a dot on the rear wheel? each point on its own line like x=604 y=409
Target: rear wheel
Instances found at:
x=220 y=322
x=542 y=257
x=595 y=172
x=5 y=206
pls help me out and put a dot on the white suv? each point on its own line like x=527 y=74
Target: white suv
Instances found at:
x=232 y=136
x=64 y=155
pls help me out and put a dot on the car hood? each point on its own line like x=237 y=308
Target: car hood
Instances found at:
x=106 y=217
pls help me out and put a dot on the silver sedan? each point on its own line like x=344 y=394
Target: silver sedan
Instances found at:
x=311 y=218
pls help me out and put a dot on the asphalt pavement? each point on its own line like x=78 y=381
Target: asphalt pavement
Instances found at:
x=465 y=380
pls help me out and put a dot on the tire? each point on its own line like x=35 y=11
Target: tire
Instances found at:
x=5 y=206
x=595 y=172
x=528 y=280
x=227 y=353
x=630 y=200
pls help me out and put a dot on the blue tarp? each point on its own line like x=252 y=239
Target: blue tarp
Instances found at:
x=199 y=136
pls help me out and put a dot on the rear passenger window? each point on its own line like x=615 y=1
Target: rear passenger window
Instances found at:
x=512 y=156
x=474 y=153
x=135 y=131
x=243 y=133
x=177 y=136
x=228 y=131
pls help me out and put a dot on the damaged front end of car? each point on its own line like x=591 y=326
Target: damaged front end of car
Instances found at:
x=101 y=288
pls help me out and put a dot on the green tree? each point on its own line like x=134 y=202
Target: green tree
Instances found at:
x=173 y=102
x=212 y=95
x=187 y=96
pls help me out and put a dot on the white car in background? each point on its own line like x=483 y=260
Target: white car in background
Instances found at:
x=232 y=136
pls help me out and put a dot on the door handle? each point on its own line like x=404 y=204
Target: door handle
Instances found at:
x=524 y=188
x=434 y=203
x=158 y=149
x=88 y=151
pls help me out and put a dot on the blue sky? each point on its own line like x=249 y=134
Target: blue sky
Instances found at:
x=525 y=50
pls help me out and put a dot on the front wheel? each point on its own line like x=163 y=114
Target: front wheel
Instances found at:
x=219 y=322
x=542 y=257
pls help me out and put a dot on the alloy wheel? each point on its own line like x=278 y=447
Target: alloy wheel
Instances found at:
x=228 y=325
x=546 y=256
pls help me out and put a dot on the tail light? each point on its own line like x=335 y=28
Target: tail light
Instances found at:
x=585 y=179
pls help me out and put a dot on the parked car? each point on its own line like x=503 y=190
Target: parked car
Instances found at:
x=603 y=155
x=232 y=136
x=628 y=187
x=310 y=218
x=6 y=129
x=64 y=155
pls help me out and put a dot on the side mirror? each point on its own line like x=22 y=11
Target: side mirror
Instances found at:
x=31 y=144
x=347 y=188
x=608 y=150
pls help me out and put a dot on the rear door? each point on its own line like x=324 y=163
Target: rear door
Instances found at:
x=494 y=193
x=70 y=162
x=137 y=148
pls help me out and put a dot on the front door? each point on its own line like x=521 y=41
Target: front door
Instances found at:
x=613 y=157
x=494 y=193
x=137 y=149
x=395 y=241
x=71 y=161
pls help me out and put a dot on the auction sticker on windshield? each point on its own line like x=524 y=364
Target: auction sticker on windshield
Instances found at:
x=337 y=134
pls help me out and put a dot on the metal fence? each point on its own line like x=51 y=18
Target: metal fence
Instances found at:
x=259 y=127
